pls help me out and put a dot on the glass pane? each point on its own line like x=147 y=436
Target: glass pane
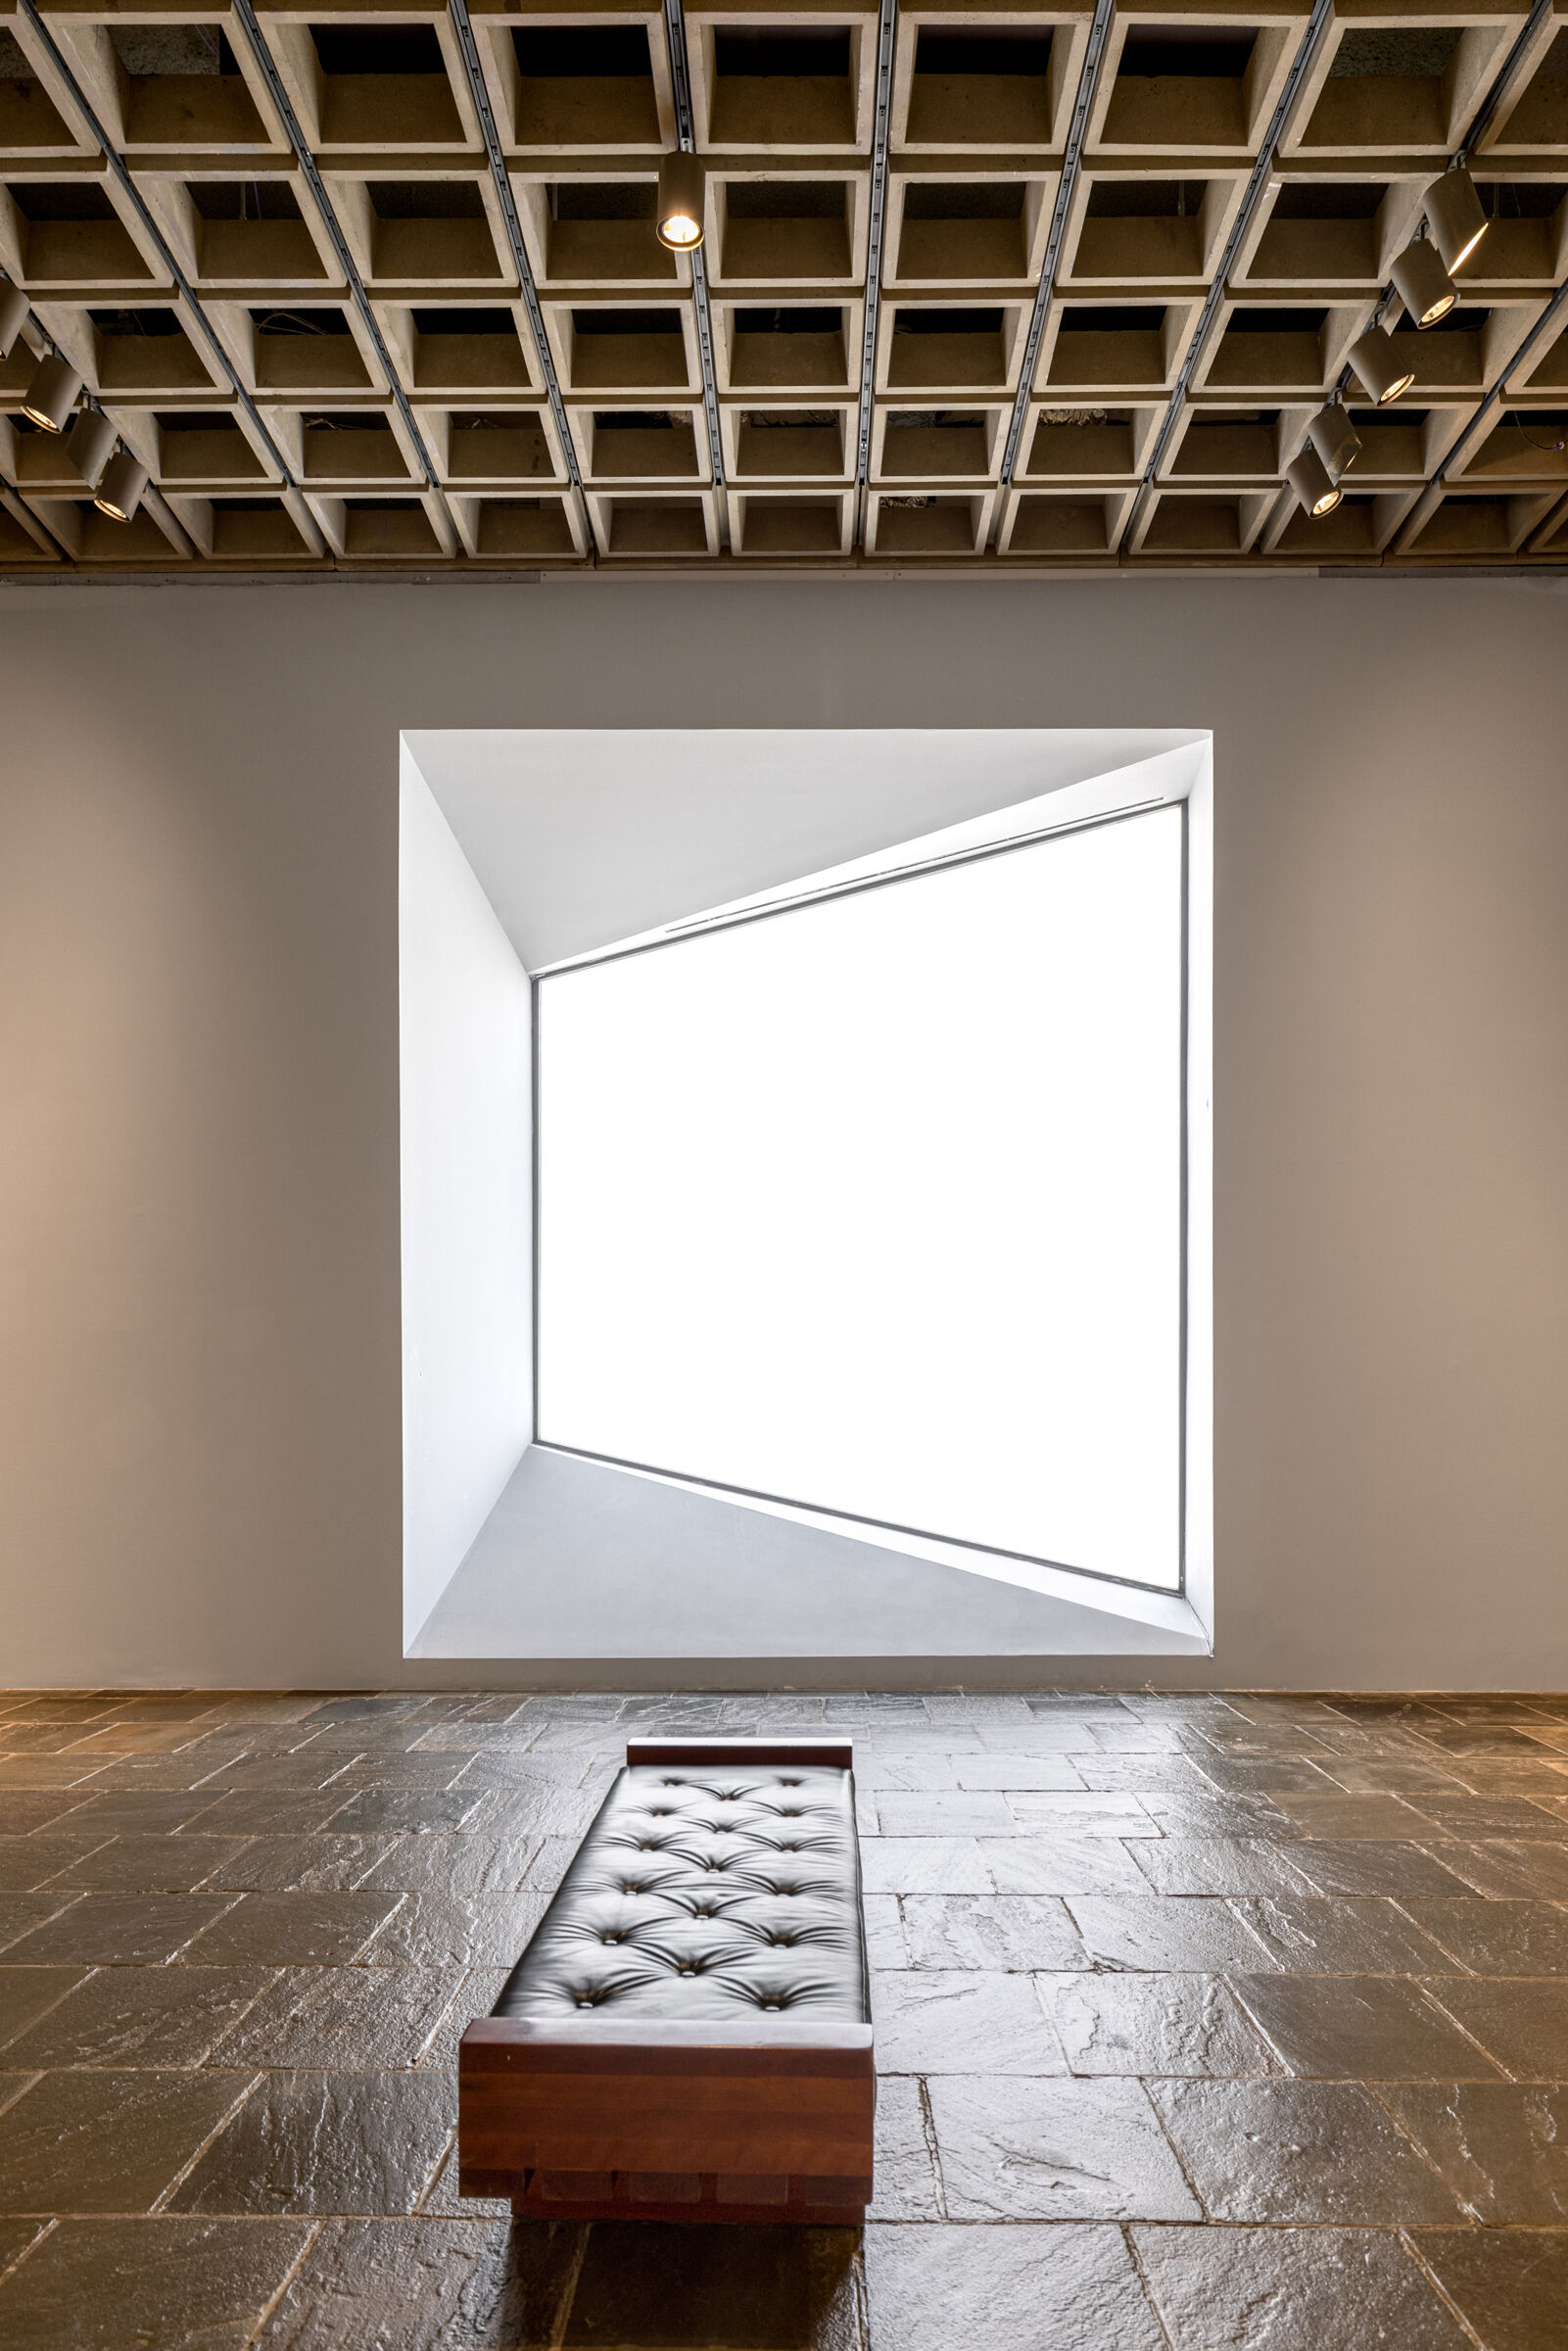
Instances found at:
x=876 y=1205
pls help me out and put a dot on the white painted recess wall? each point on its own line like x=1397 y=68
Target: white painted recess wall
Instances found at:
x=466 y=1152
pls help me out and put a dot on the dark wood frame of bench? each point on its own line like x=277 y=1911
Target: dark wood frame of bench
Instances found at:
x=578 y=2119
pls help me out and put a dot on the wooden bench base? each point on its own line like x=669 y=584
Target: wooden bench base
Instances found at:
x=612 y=2115
x=684 y=2196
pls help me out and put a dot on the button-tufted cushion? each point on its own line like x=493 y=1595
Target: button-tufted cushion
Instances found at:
x=702 y=1894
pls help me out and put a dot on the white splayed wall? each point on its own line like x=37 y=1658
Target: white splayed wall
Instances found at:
x=466 y=1173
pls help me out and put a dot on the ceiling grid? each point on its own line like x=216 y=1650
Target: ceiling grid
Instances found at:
x=1053 y=288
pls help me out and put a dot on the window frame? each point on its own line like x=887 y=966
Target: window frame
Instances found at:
x=1101 y=801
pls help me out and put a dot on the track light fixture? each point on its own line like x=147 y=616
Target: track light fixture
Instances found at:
x=119 y=492
x=13 y=316
x=52 y=394
x=1424 y=286
x=1454 y=217
x=89 y=441
x=1314 y=484
x=1335 y=438
x=680 y=214
x=1375 y=362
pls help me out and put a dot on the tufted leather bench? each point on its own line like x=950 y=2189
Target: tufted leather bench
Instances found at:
x=688 y=2035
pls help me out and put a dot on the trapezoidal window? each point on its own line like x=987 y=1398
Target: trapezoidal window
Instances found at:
x=872 y=1206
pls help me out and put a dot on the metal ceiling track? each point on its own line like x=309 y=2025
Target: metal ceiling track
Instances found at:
x=1317 y=24
x=279 y=96
x=156 y=238
x=1478 y=130
x=1066 y=189
x=877 y=229
x=15 y=504
x=686 y=133
x=1549 y=318
x=11 y=498
x=26 y=521
x=463 y=25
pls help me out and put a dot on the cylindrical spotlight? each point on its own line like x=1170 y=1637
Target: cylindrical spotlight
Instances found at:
x=13 y=316
x=119 y=492
x=1335 y=438
x=1454 y=217
x=1375 y=362
x=52 y=394
x=89 y=441
x=679 y=217
x=1309 y=478
x=1425 y=287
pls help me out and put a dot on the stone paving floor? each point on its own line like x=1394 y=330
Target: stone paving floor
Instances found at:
x=1204 y=2023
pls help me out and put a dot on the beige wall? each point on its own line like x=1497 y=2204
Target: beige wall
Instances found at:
x=199 y=1336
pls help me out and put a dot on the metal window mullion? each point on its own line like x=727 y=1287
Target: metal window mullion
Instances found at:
x=1066 y=189
x=501 y=180
x=876 y=232
x=155 y=235
x=1316 y=27
x=686 y=133
x=307 y=161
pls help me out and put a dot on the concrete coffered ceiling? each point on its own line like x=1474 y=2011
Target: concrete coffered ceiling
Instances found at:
x=1044 y=286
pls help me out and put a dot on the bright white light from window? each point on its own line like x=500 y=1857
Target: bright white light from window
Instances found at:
x=876 y=1205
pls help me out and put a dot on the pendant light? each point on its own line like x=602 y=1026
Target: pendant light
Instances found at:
x=1314 y=484
x=1424 y=286
x=13 y=316
x=89 y=442
x=52 y=394
x=1335 y=438
x=1375 y=362
x=119 y=492
x=680 y=191
x=1454 y=217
